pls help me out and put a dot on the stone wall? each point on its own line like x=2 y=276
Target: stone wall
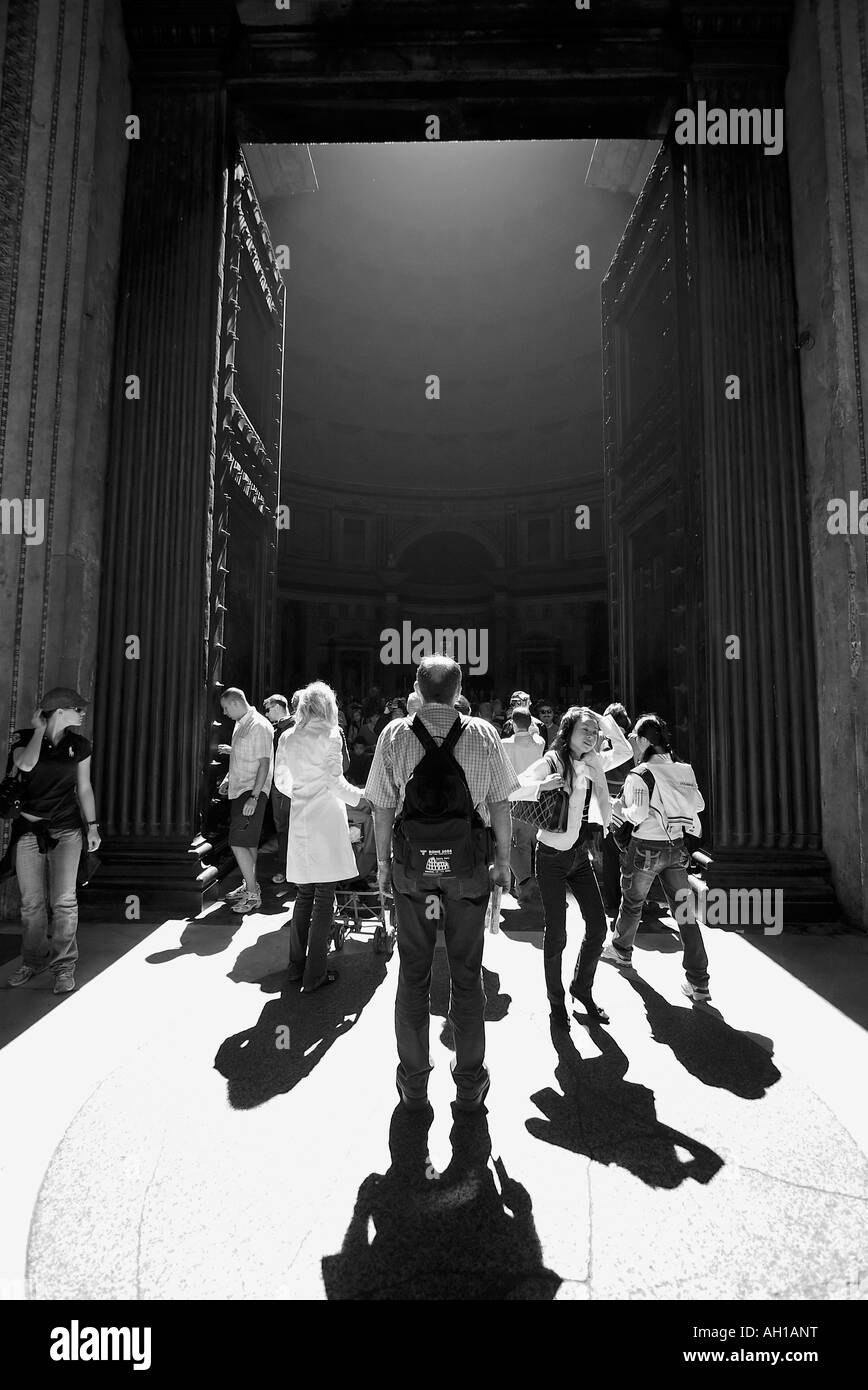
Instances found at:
x=827 y=120
x=64 y=95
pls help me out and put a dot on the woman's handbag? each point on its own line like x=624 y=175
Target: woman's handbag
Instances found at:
x=549 y=812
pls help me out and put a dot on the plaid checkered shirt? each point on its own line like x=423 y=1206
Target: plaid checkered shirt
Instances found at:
x=479 y=750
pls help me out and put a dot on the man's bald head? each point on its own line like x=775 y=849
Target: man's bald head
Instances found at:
x=438 y=680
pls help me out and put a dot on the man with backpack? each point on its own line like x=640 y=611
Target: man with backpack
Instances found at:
x=439 y=788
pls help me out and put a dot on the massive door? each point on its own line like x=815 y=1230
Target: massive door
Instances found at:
x=243 y=633
x=706 y=540
x=187 y=597
x=653 y=549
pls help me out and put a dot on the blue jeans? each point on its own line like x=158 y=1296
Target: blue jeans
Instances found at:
x=644 y=861
x=557 y=872
x=419 y=906
x=49 y=880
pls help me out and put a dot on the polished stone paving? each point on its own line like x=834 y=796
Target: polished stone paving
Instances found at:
x=162 y=1141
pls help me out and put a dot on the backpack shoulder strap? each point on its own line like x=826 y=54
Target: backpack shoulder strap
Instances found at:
x=423 y=735
x=454 y=734
x=648 y=778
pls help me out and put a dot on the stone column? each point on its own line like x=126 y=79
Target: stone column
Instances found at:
x=63 y=98
x=827 y=121
x=760 y=751
x=152 y=705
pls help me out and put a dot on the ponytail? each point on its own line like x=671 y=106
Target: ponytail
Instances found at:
x=656 y=730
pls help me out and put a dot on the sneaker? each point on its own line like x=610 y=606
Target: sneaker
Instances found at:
x=23 y=974
x=614 y=956
x=235 y=894
x=699 y=994
x=64 y=983
x=251 y=902
x=278 y=878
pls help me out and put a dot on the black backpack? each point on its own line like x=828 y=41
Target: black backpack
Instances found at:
x=439 y=833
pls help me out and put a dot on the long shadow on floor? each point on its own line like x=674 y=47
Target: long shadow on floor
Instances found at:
x=202 y=936
x=708 y=1047
x=294 y=1033
x=459 y=1234
x=614 y=1121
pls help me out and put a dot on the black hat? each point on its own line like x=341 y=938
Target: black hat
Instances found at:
x=62 y=697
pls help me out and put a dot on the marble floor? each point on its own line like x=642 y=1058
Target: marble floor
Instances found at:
x=179 y=1129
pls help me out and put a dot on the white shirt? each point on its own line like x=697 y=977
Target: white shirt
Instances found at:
x=523 y=749
x=589 y=769
x=673 y=806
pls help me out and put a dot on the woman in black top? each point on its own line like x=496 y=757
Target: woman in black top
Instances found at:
x=48 y=834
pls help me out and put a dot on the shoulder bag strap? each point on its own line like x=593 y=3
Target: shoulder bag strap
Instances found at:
x=651 y=785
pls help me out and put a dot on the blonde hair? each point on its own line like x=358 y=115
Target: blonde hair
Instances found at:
x=317 y=701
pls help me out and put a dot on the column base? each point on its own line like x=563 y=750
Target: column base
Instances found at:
x=166 y=876
x=803 y=876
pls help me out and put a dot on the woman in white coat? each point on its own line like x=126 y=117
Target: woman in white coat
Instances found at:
x=308 y=767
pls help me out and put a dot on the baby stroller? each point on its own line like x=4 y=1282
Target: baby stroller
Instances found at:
x=359 y=901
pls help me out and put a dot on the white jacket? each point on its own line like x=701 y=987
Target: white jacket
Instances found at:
x=308 y=767
x=673 y=806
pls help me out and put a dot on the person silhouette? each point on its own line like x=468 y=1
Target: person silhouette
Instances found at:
x=708 y=1047
x=466 y=1233
x=614 y=1121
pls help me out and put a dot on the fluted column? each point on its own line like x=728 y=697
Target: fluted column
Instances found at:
x=762 y=717
x=152 y=709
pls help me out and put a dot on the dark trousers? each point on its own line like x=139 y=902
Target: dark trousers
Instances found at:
x=611 y=875
x=557 y=872
x=521 y=851
x=309 y=935
x=459 y=906
x=280 y=806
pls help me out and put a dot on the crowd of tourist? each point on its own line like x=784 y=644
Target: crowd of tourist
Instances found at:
x=444 y=797
x=446 y=803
